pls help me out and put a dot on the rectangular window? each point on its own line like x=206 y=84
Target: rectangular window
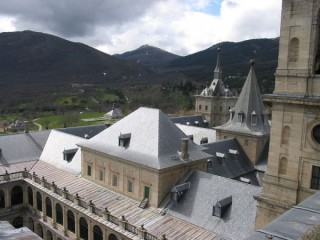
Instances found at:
x=199 y=107
x=89 y=170
x=101 y=175
x=130 y=186
x=114 y=180
x=220 y=108
x=315 y=178
x=225 y=137
x=206 y=108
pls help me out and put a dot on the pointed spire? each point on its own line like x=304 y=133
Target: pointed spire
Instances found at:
x=249 y=115
x=217 y=70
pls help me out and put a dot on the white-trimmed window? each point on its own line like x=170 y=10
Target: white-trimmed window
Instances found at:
x=114 y=180
x=254 y=118
x=101 y=175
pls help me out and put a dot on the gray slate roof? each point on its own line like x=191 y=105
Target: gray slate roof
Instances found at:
x=231 y=167
x=194 y=120
x=294 y=223
x=155 y=140
x=197 y=204
x=82 y=131
x=198 y=133
x=22 y=147
x=249 y=103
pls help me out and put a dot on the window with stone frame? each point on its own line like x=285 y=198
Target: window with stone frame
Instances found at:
x=114 y=180
x=101 y=174
x=315 y=178
x=130 y=186
x=200 y=107
x=89 y=170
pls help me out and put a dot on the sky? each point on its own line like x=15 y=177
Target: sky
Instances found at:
x=116 y=26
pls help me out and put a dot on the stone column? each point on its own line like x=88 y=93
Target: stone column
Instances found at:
x=76 y=223
x=142 y=232
x=7 y=196
x=54 y=215
x=44 y=209
x=65 y=219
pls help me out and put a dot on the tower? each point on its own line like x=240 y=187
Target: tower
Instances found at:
x=215 y=101
x=248 y=121
x=293 y=171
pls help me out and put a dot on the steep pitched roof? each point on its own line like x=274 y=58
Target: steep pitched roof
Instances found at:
x=84 y=131
x=154 y=140
x=249 y=115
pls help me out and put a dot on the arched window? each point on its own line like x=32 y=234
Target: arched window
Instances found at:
x=31 y=224
x=39 y=230
x=285 y=135
x=17 y=222
x=39 y=201
x=71 y=221
x=112 y=237
x=59 y=214
x=49 y=235
x=283 y=164
x=83 y=228
x=2 y=200
x=48 y=207
x=30 y=196
x=16 y=195
x=97 y=233
x=293 y=50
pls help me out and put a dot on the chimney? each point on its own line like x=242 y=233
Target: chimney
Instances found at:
x=184 y=148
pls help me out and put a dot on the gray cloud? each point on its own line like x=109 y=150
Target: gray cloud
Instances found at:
x=73 y=18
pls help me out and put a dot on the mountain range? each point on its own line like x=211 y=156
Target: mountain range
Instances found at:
x=33 y=63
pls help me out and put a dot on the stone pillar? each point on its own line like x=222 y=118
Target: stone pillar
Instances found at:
x=64 y=192
x=65 y=219
x=7 y=196
x=77 y=199
x=76 y=223
x=34 y=176
x=43 y=181
x=54 y=215
x=123 y=222
x=91 y=206
x=106 y=214
x=44 y=209
x=53 y=187
x=142 y=232
x=6 y=177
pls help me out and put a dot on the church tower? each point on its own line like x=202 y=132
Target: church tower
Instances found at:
x=248 y=121
x=293 y=171
x=215 y=101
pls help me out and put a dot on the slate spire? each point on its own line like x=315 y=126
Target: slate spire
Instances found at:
x=249 y=114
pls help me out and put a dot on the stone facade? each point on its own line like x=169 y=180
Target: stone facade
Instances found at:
x=134 y=180
x=294 y=153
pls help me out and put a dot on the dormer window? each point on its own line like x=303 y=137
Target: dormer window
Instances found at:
x=220 y=157
x=68 y=154
x=234 y=154
x=265 y=118
x=254 y=118
x=240 y=117
x=204 y=140
x=221 y=206
x=124 y=140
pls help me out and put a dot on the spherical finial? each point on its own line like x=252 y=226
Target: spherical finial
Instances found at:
x=252 y=62
x=219 y=49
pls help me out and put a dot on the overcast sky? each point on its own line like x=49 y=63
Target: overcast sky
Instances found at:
x=116 y=26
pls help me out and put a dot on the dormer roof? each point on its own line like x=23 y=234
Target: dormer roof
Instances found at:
x=249 y=115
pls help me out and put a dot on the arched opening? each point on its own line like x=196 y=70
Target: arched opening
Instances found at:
x=39 y=230
x=2 y=200
x=16 y=195
x=71 y=221
x=112 y=237
x=30 y=196
x=49 y=235
x=39 y=201
x=293 y=50
x=59 y=214
x=48 y=207
x=17 y=222
x=97 y=233
x=31 y=224
x=285 y=135
x=283 y=164
x=83 y=228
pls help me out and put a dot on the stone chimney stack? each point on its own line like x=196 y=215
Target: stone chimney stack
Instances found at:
x=184 y=148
